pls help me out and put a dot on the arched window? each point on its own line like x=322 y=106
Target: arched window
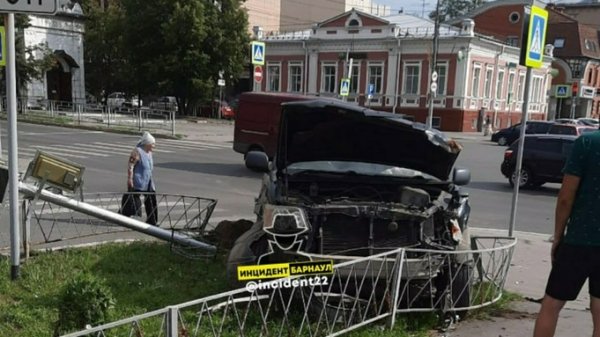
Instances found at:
x=353 y=23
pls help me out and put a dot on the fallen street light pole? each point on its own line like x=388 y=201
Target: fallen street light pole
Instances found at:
x=115 y=218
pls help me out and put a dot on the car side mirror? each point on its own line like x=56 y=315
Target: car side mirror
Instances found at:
x=461 y=176
x=257 y=161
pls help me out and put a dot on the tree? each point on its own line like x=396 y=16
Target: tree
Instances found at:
x=450 y=9
x=106 y=63
x=178 y=47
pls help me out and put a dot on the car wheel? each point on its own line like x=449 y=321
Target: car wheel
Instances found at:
x=527 y=178
x=502 y=141
x=461 y=286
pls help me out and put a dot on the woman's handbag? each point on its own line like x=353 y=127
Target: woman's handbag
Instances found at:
x=131 y=204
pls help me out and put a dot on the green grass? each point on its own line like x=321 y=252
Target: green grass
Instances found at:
x=141 y=276
x=145 y=276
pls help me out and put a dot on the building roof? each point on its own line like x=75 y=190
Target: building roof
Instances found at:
x=407 y=26
x=414 y=26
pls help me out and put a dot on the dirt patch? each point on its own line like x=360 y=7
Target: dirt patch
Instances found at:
x=228 y=231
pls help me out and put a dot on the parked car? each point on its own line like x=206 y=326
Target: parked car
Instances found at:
x=570 y=129
x=589 y=121
x=565 y=121
x=115 y=100
x=132 y=102
x=166 y=103
x=211 y=110
x=544 y=157
x=340 y=187
x=509 y=135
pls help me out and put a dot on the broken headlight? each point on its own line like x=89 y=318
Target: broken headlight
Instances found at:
x=284 y=220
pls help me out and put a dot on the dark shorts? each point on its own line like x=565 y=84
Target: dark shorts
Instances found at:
x=573 y=265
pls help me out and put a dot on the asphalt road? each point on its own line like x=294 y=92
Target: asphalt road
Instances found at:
x=214 y=170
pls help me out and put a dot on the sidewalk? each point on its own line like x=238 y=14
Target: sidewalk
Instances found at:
x=527 y=276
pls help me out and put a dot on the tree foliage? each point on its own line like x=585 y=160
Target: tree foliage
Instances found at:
x=104 y=46
x=166 y=47
x=450 y=9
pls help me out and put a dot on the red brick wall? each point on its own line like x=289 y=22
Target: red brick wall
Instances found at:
x=366 y=22
x=495 y=22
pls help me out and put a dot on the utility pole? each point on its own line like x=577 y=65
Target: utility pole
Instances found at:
x=432 y=86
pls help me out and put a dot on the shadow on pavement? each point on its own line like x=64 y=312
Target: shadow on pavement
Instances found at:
x=551 y=190
x=220 y=169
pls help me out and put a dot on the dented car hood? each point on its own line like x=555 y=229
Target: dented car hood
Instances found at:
x=328 y=130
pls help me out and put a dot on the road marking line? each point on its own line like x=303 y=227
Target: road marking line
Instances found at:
x=60 y=153
x=127 y=147
x=55 y=148
x=171 y=141
x=105 y=150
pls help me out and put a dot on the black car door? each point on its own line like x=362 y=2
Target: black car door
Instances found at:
x=550 y=159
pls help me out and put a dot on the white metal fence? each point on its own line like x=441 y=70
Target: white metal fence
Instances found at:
x=361 y=291
x=135 y=118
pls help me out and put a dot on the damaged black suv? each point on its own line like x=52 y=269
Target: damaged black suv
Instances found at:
x=348 y=182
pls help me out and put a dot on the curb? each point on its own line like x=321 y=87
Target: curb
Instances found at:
x=94 y=128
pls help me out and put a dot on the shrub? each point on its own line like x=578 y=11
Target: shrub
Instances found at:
x=84 y=300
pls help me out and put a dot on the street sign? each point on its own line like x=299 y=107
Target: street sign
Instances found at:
x=258 y=53
x=258 y=74
x=536 y=38
x=371 y=90
x=29 y=6
x=221 y=82
x=562 y=91
x=3 y=47
x=345 y=87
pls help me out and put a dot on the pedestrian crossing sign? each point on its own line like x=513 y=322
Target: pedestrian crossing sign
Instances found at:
x=345 y=87
x=258 y=53
x=536 y=37
x=562 y=91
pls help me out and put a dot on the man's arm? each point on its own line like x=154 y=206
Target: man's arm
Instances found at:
x=564 y=205
x=133 y=159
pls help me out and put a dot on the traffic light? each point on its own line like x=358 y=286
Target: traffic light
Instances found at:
x=575 y=88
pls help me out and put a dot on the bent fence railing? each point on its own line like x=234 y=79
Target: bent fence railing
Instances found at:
x=45 y=222
x=361 y=291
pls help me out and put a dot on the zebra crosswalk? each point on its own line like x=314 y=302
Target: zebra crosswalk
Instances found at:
x=106 y=149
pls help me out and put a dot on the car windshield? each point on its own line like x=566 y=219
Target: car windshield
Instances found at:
x=368 y=169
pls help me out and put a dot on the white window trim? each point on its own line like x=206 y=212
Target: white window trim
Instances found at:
x=377 y=97
x=289 y=81
x=268 y=83
x=475 y=91
x=411 y=99
x=500 y=85
x=353 y=96
x=488 y=94
x=446 y=65
x=329 y=64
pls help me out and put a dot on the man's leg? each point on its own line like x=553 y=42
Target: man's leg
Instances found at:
x=595 y=308
x=545 y=325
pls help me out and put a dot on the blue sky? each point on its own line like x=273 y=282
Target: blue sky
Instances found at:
x=416 y=6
